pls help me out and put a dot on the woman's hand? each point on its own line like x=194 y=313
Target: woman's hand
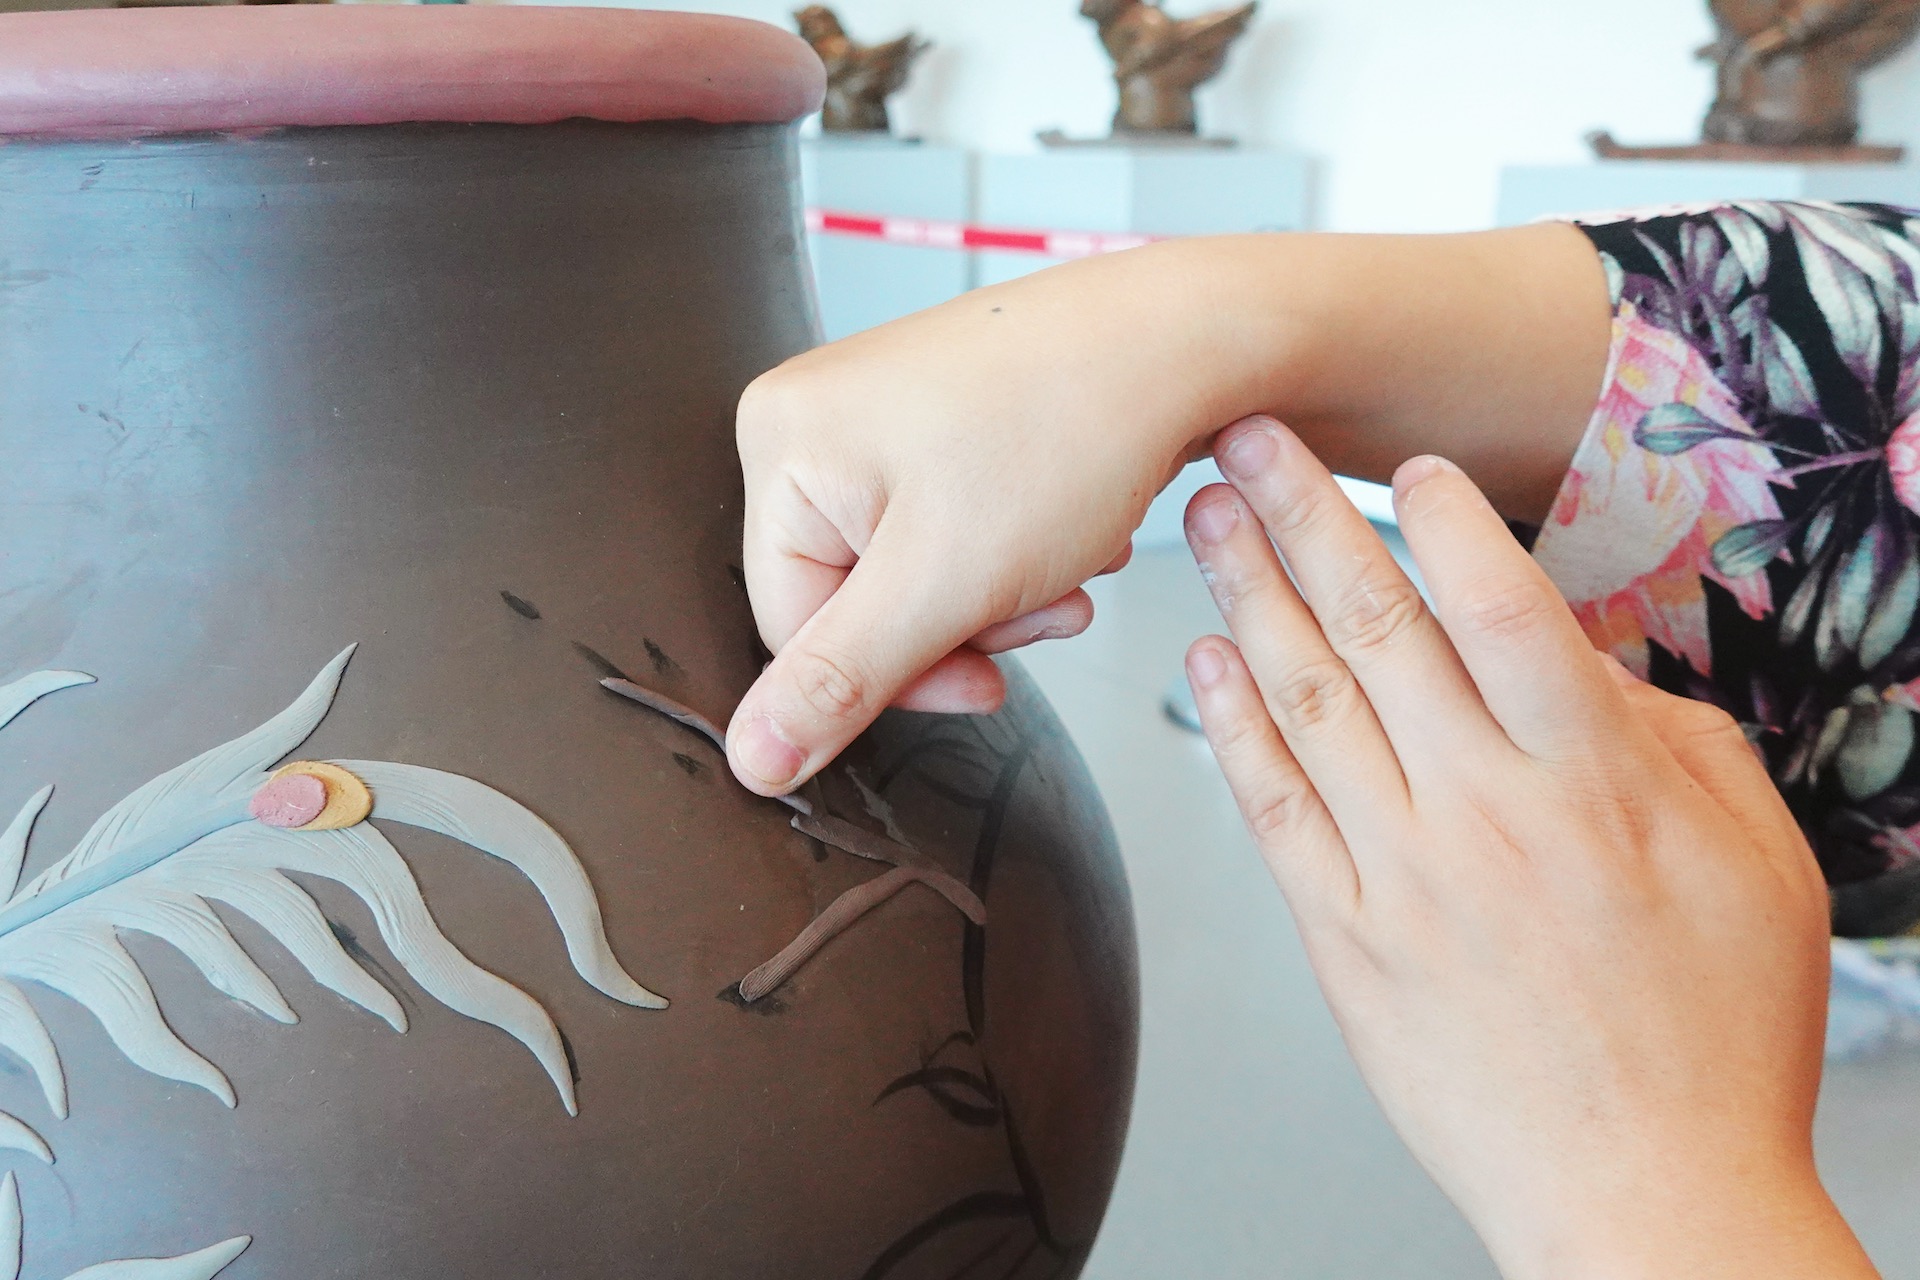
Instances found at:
x=938 y=489
x=1571 y=934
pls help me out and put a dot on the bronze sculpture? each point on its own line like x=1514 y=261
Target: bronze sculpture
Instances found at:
x=1159 y=61
x=1789 y=80
x=860 y=78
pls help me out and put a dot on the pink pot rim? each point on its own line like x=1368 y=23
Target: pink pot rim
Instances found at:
x=116 y=72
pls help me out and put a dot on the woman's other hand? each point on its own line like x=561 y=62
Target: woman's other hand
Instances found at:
x=1572 y=936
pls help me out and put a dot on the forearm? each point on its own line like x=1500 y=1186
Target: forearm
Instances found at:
x=1488 y=348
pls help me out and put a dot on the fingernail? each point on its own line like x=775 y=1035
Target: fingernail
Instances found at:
x=1205 y=667
x=1211 y=522
x=767 y=754
x=1417 y=471
x=1250 y=452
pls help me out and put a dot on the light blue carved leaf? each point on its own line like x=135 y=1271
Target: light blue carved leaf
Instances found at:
x=363 y=861
x=10 y=1228
x=13 y=841
x=86 y=963
x=204 y=1264
x=157 y=860
x=476 y=814
x=17 y=1135
x=184 y=803
x=25 y=1036
x=24 y=692
x=76 y=950
x=284 y=910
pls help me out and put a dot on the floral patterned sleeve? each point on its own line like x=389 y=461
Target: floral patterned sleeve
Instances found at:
x=1740 y=524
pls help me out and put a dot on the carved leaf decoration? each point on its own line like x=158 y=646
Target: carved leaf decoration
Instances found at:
x=207 y=792
x=17 y=1135
x=476 y=814
x=20 y=694
x=158 y=859
x=20 y=1027
x=203 y=1264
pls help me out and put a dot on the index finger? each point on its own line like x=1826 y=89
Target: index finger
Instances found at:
x=888 y=623
x=1520 y=642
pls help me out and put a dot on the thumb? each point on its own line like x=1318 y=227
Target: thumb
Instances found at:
x=890 y=621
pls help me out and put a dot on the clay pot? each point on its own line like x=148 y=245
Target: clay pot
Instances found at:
x=420 y=330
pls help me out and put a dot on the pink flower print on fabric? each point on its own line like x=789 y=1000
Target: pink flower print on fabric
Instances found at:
x=1632 y=531
x=1903 y=463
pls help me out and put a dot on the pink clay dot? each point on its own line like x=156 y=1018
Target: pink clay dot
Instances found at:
x=1903 y=463
x=290 y=801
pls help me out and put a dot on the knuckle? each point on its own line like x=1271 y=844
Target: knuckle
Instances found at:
x=1240 y=737
x=1509 y=610
x=1312 y=696
x=1302 y=514
x=1707 y=723
x=1608 y=797
x=772 y=401
x=1276 y=811
x=1377 y=616
x=832 y=687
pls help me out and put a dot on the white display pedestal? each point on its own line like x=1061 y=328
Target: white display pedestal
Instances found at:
x=1147 y=189
x=1529 y=192
x=863 y=283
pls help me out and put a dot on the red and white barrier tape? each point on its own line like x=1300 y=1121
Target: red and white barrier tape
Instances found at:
x=932 y=233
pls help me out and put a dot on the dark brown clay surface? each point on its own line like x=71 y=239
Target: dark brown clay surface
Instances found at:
x=463 y=395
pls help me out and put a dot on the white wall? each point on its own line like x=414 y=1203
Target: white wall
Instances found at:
x=1412 y=105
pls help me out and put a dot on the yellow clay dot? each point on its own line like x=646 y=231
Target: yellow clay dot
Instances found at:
x=349 y=802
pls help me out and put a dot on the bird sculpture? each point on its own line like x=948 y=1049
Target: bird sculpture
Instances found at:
x=1788 y=75
x=1158 y=61
x=1789 y=70
x=860 y=78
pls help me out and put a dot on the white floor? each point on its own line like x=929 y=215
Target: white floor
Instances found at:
x=1256 y=1151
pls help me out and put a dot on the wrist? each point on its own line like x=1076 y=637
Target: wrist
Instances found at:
x=1755 y=1230
x=1189 y=335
